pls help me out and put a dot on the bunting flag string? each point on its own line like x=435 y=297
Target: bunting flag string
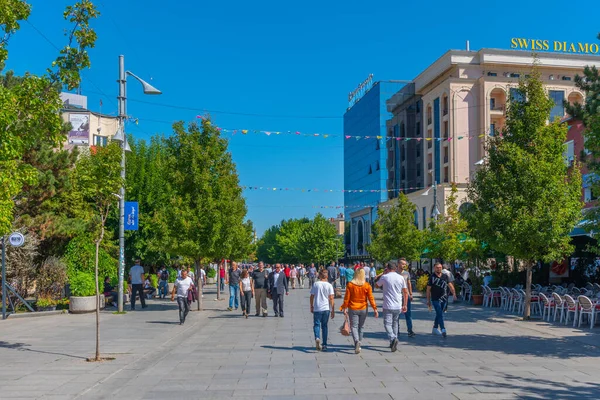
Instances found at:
x=361 y=207
x=291 y=189
x=457 y=136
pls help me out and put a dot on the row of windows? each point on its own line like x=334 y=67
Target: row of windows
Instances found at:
x=517 y=75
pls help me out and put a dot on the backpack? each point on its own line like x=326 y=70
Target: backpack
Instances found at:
x=164 y=276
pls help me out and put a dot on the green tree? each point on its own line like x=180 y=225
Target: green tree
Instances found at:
x=267 y=249
x=525 y=199
x=589 y=113
x=394 y=233
x=98 y=177
x=31 y=107
x=447 y=238
x=319 y=241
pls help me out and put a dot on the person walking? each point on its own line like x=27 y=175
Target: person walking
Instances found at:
x=349 y=274
x=181 y=288
x=163 y=282
x=332 y=274
x=358 y=292
x=312 y=275
x=293 y=275
x=322 y=307
x=278 y=284
x=437 y=296
x=301 y=275
x=260 y=284
x=372 y=274
x=395 y=296
x=234 y=286
x=222 y=277
x=246 y=292
x=343 y=276
x=408 y=313
x=136 y=274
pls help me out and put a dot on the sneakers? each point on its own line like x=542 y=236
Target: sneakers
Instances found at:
x=443 y=333
x=256 y=315
x=229 y=309
x=436 y=331
x=357 y=347
x=324 y=349
x=394 y=345
x=318 y=344
x=411 y=334
x=265 y=314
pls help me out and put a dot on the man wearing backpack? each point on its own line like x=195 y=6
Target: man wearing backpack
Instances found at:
x=163 y=282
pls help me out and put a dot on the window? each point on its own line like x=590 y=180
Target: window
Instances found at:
x=418 y=128
x=492 y=129
x=101 y=141
x=566 y=78
x=569 y=153
x=418 y=170
x=402 y=130
x=377 y=166
x=492 y=74
x=370 y=170
x=558 y=96
x=418 y=152
x=516 y=95
x=377 y=145
x=515 y=75
x=445 y=155
x=446 y=174
x=445 y=105
x=418 y=107
x=424 y=216
x=416 y=219
x=445 y=133
x=588 y=195
x=492 y=103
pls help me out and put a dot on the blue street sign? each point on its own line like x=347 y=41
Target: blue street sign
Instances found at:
x=131 y=215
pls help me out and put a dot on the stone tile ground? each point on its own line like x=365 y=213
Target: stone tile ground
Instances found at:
x=219 y=355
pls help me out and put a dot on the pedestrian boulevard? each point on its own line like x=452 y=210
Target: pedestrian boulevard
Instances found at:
x=220 y=355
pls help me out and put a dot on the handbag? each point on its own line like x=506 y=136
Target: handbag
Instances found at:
x=345 y=328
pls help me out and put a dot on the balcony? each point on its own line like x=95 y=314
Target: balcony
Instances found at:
x=429 y=120
x=445 y=159
x=429 y=165
x=429 y=144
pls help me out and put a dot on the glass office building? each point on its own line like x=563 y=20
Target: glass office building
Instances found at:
x=365 y=158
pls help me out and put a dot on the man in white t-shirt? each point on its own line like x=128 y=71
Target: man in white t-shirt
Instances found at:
x=136 y=274
x=395 y=297
x=321 y=306
x=181 y=287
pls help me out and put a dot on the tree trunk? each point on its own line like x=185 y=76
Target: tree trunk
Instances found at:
x=218 y=277
x=97 y=358
x=199 y=284
x=527 y=306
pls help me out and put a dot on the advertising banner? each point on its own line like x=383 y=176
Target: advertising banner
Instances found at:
x=80 y=129
x=131 y=215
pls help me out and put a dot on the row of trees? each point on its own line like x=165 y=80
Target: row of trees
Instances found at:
x=523 y=201
x=301 y=241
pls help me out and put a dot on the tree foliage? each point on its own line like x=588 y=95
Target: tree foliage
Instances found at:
x=30 y=108
x=525 y=199
x=395 y=234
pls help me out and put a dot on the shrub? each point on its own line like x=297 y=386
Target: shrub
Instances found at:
x=82 y=284
x=51 y=279
x=172 y=275
x=154 y=280
x=422 y=283
x=80 y=256
x=44 y=302
x=211 y=272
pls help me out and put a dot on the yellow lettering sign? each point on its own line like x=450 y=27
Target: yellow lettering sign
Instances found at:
x=557 y=46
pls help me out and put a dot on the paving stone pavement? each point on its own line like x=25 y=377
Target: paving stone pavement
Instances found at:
x=218 y=355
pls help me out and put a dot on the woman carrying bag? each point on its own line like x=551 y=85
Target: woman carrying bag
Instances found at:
x=246 y=292
x=358 y=292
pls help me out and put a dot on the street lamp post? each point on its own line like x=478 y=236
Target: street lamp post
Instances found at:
x=120 y=137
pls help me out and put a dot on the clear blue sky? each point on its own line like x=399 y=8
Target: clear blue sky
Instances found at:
x=275 y=58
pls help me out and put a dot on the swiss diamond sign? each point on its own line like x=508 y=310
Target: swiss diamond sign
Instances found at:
x=131 y=215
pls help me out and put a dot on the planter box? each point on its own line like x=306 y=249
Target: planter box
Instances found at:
x=477 y=299
x=171 y=286
x=211 y=281
x=82 y=305
x=48 y=308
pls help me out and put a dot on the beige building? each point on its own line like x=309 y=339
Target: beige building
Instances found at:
x=464 y=96
x=338 y=222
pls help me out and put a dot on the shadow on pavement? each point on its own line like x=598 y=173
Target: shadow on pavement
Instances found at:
x=537 y=388
x=163 y=322
x=302 y=349
x=24 y=347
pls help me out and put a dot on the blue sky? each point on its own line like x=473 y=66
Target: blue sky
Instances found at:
x=284 y=62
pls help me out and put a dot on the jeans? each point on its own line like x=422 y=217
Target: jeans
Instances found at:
x=391 y=323
x=261 y=301
x=163 y=289
x=343 y=281
x=311 y=281
x=320 y=319
x=184 y=308
x=408 y=315
x=277 y=302
x=357 y=321
x=246 y=299
x=137 y=289
x=234 y=293
x=222 y=285
x=438 y=306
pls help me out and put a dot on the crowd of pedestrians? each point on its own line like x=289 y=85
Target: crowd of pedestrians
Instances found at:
x=265 y=282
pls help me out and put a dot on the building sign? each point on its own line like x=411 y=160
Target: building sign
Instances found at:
x=554 y=45
x=131 y=215
x=357 y=93
x=80 y=129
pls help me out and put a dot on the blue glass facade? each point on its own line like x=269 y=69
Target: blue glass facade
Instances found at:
x=365 y=159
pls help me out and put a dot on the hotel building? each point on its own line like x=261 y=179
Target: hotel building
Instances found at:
x=440 y=121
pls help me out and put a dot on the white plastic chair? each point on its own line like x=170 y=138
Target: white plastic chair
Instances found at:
x=517 y=303
x=534 y=303
x=559 y=304
x=466 y=291
x=571 y=307
x=587 y=308
x=547 y=304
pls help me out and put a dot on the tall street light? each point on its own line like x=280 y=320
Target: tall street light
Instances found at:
x=120 y=137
